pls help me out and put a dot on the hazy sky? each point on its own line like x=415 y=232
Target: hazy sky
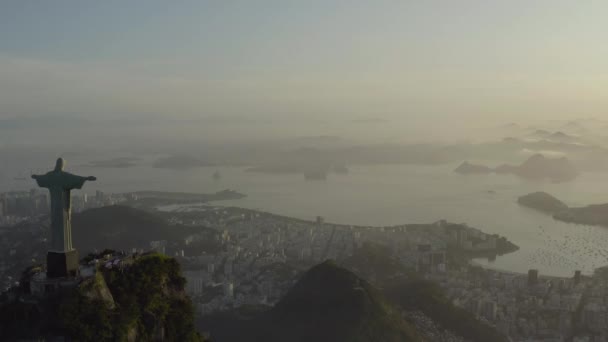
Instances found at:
x=295 y=59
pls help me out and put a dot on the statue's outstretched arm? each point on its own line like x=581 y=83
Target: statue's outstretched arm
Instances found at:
x=91 y=178
x=40 y=180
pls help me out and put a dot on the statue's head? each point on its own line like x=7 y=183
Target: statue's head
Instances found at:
x=60 y=164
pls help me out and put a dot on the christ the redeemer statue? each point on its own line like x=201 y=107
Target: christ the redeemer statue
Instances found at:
x=62 y=259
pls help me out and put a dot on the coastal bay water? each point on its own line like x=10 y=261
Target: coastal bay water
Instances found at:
x=385 y=195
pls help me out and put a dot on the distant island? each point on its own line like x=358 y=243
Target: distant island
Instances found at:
x=468 y=168
x=311 y=171
x=562 y=137
x=595 y=215
x=180 y=163
x=122 y=162
x=275 y=169
x=536 y=167
x=558 y=137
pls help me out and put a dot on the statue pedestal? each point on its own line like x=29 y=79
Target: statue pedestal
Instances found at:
x=62 y=264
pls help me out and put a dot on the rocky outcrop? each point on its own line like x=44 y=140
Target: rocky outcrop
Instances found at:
x=143 y=300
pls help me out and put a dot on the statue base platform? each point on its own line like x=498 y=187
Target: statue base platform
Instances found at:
x=62 y=264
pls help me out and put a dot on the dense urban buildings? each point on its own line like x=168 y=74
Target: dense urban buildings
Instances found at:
x=256 y=257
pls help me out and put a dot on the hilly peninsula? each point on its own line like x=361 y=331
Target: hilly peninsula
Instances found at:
x=544 y=202
x=537 y=167
x=595 y=215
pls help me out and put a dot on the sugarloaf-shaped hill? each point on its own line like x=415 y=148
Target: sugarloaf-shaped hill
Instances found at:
x=123 y=228
x=538 y=166
x=328 y=303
